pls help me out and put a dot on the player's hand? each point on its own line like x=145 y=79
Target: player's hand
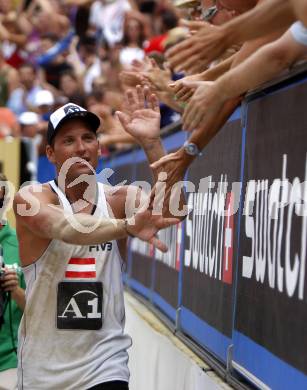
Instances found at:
x=143 y=118
x=145 y=226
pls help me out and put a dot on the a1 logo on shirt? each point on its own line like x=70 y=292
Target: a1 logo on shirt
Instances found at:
x=79 y=305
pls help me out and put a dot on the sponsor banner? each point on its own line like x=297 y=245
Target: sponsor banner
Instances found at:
x=141 y=257
x=210 y=233
x=167 y=266
x=166 y=275
x=154 y=269
x=141 y=262
x=266 y=287
x=271 y=291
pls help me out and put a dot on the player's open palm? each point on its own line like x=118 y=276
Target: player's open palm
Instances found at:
x=145 y=226
x=143 y=118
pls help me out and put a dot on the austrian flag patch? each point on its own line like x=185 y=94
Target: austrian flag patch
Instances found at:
x=78 y=268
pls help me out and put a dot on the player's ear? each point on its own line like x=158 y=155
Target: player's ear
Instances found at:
x=50 y=154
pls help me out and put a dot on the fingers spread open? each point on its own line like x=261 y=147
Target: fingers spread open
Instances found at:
x=166 y=222
x=158 y=244
x=131 y=101
x=146 y=93
x=154 y=102
x=123 y=118
x=140 y=97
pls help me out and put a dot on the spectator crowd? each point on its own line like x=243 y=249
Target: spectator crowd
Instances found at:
x=84 y=52
x=197 y=56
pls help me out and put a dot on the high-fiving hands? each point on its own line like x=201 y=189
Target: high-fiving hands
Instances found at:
x=147 y=73
x=142 y=119
x=145 y=225
x=203 y=106
x=195 y=53
x=184 y=89
x=171 y=200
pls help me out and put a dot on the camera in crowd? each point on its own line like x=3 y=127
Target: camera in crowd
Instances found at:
x=2 y=265
x=2 y=293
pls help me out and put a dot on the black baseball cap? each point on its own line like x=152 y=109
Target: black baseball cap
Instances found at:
x=68 y=111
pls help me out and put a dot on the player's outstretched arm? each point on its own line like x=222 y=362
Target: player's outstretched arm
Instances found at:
x=36 y=211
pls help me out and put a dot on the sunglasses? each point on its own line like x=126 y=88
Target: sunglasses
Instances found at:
x=209 y=13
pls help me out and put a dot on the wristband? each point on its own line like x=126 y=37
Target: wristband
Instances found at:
x=126 y=225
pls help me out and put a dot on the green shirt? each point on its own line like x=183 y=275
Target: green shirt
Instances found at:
x=8 y=358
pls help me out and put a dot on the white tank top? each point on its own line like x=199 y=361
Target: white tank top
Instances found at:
x=72 y=332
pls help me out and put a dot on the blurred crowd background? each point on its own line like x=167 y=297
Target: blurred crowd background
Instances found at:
x=54 y=52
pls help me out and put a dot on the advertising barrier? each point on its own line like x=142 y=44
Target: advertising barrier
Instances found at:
x=150 y=272
x=209 y=241
x=270 y=337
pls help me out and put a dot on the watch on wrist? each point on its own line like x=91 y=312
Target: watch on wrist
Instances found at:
x=191 y=149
